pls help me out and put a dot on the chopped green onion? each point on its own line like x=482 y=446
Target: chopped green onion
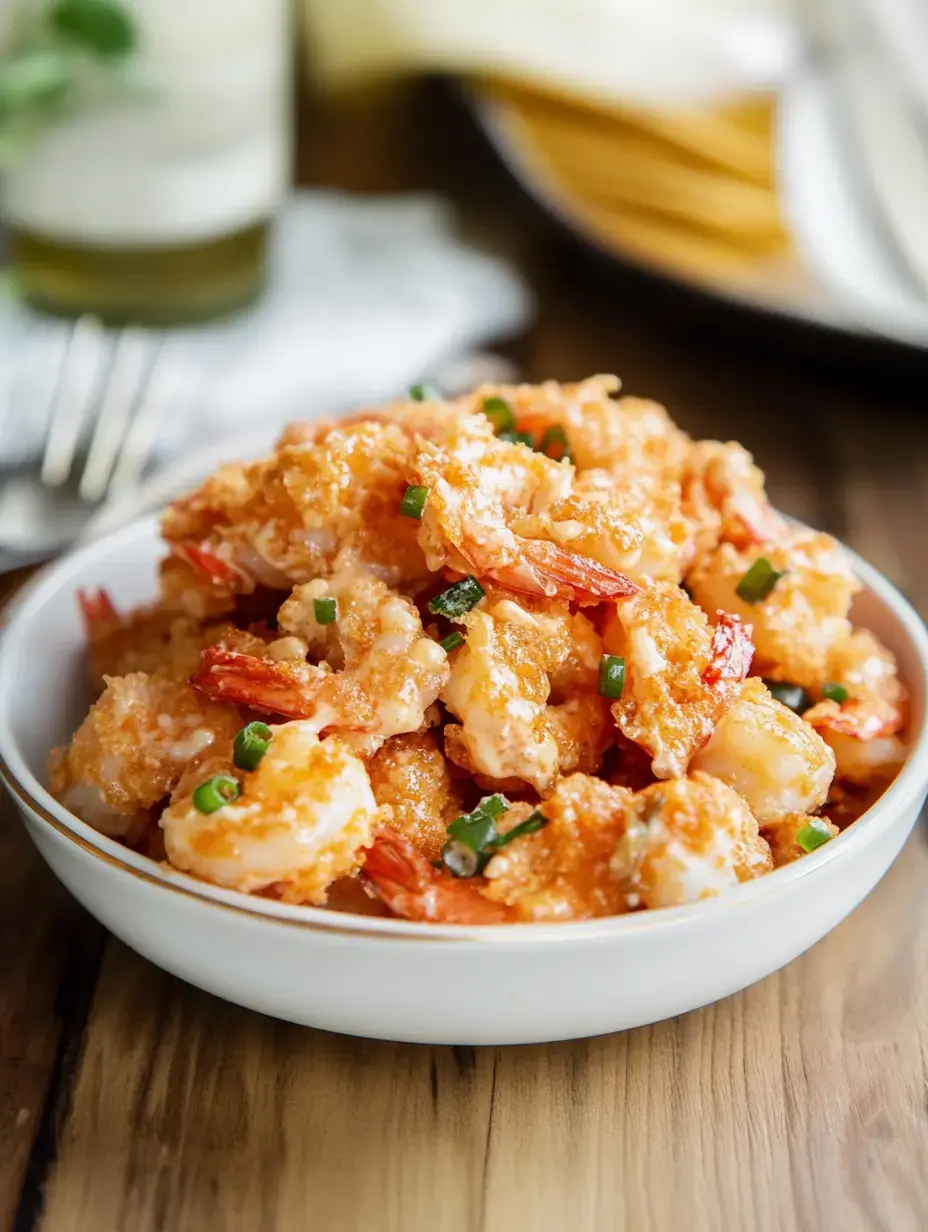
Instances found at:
x=251 y=744
x=460 y=859
x=611 y=677
x=424 y=393
x=835 y=693
x=325 y=611
x=476 y=830
x=814 y=835
x=758 y=582
x=212 y=794
x=413 y=502
x=474 y=839
x=555 y=435
x=517 y=438
x=499 y=413
x=452 y=642
x=531 y=825
x=793 y=696
x=457 y=599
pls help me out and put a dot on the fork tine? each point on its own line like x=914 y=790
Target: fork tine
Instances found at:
x=139 y=437
x=74 y=394
x=124 y=385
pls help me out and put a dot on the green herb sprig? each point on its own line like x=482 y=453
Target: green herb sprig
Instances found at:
x=67 y=56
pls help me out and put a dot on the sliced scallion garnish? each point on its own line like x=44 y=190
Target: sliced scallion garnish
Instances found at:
x=216 y=792
x=611 y=677
x=792 y=696
x=537 y=821
x=555 y=437
x=499 y=413
x=424 y=393
x=325 y=611
x=474 y=838
x=835 y=693
x=460 y=859
x=452 y=642
x=459 y=598
x=758 y=582
x=413 y=503
x=814 y=835
x=251 y=744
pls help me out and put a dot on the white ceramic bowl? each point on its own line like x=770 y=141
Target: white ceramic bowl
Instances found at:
x=397 y=980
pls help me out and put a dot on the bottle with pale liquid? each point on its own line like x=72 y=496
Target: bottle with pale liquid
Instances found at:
x=153 y=206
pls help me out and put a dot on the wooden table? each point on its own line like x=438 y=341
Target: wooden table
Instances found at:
x=131 y=1101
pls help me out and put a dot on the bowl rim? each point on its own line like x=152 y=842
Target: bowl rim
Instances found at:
x=33 y=797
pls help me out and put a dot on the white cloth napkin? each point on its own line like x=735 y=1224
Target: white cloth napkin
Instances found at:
x=366 y=296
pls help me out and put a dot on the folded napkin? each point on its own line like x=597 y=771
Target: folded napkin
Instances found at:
x=366 y=296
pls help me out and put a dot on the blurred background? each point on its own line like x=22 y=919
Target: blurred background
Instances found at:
x=220 y=215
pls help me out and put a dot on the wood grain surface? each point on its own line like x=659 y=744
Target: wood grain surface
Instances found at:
x=130 y=1101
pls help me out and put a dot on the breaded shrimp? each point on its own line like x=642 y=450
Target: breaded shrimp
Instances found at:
x=133 y=746
x=626 y=435
x=687 y=839
x=410 y=775
x=485 y=515
x=388 y=672
x=305 y=510
x=154 y=640
x=769 y=755
x=302 y=820
x=680 y=675
x=863 y=730
x=515 y=656
x=413 y=888
x=563 y=872
x=723 y=493
x=797 y=625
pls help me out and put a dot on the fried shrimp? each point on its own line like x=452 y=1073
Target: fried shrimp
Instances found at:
x=413 y=888
x=479 y=498
x=304 y=511
x=798 y=621
x=564 y=872
x=687 y=839
x=524 y=689
x=628 y=435
x=723 y=493
x=769 y=755
x=154 y=640
x=301 y=821
x=862 y=729
x=410 y=774
x=132 y=748
x=680 y=675
x=379 y=671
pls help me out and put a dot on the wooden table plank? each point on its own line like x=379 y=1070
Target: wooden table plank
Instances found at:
x=49 y=951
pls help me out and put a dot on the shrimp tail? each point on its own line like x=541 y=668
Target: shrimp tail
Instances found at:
x=856 y=719
x=414 y=889
x=98 y=610
x=207 y=565
x=243 y=679
x=570 y=576
x=731 y=652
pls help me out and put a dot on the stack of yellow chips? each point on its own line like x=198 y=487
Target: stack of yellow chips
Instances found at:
x=692 y=192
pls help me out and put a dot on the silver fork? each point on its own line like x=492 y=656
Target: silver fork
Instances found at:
x=108 y=389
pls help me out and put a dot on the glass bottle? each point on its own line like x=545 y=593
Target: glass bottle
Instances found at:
x=153 y=206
